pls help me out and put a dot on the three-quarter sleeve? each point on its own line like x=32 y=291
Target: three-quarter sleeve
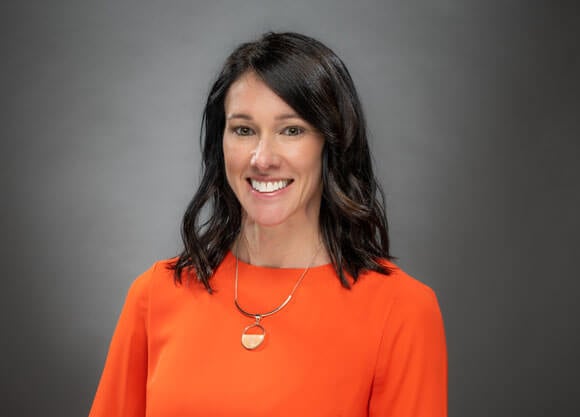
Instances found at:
x=122 y=387
x=411 y=370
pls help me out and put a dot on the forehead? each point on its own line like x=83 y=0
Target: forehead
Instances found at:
x=249 y=94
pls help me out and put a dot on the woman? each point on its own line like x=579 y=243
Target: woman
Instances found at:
x=284 y=301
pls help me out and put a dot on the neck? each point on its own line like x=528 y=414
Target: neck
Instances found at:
x=282 y=246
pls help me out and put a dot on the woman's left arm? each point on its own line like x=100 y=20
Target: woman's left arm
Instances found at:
x=411 y=371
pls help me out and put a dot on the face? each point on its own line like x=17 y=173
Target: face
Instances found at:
x=272 y=156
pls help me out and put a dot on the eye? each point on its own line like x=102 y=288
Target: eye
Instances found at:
x=243 y=131
x=293 y=131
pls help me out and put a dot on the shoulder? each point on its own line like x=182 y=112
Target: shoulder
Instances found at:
x=158 y=274
x=409 y=295
x=412 y=320
x=157 y=286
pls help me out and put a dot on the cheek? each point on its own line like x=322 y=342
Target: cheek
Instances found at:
x=313 y=164
x=233 y=161
x=229 y=163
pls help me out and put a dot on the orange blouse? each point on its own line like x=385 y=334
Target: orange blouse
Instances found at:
x=377 y=349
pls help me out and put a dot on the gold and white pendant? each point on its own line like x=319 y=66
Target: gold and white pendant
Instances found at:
x=253 y=335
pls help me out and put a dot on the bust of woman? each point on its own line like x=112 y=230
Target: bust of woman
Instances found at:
x=285 y=300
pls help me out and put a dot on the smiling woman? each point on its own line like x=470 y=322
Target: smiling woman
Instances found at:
x=284 y=301
x=272 y=160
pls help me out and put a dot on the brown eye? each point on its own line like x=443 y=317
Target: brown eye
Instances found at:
x=243 y=131
x=293 y=131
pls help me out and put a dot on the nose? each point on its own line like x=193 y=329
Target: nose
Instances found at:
x=264 y=155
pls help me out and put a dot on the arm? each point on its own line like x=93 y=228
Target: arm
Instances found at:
x=411 y=370
x=121 y=390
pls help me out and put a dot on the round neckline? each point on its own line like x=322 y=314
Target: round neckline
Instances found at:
x=247 y=265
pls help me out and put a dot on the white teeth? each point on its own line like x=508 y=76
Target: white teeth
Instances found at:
x=269 y=186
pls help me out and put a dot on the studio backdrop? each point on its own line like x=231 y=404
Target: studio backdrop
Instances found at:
x=473 y=114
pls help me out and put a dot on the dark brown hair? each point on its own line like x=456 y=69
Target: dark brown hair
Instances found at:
x=312 y=80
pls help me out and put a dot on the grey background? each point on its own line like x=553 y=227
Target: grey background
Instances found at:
x=473 y=109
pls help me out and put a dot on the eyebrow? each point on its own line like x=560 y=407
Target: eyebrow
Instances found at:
x=248 y=117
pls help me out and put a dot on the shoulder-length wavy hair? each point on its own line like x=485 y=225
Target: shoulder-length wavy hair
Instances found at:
x=312 y=80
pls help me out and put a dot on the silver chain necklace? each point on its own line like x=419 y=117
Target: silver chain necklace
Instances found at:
x=253 y=340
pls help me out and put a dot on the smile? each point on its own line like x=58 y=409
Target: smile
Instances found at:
x=269 y=186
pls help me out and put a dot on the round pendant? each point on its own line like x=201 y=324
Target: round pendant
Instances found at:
x=253 y=336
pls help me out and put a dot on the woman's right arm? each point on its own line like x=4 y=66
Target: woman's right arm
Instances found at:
x=122 y=388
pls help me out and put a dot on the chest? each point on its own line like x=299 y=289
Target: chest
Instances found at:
x=317 y=358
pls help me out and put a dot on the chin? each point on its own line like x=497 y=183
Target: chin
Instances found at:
x=267 y=219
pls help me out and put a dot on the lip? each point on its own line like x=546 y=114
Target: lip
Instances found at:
x=271 y=193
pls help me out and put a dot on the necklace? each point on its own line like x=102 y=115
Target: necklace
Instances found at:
x=254 y=334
